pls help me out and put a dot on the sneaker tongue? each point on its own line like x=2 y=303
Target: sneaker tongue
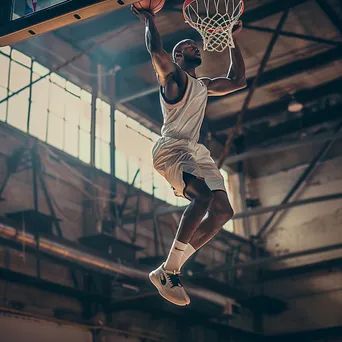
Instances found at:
x=175 y=280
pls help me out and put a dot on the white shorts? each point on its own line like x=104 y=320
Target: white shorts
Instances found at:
x=172 y=157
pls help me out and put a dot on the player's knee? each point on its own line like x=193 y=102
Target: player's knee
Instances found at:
x=205 y=198
x=223 y=213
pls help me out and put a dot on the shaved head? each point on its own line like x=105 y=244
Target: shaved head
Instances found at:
x=186 y=54
x=179 y=48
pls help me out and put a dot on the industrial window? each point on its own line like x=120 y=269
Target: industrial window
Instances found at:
x=58 y=112
x=54 y=110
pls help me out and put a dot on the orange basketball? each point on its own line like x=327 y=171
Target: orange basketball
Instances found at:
x=154 y=6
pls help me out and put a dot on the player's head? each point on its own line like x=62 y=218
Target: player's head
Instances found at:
x=187 y=54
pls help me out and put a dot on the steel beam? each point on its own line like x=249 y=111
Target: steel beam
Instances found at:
x=253 y=87
x=293 y=35
x=307 y=172
x=310 y=119
x=299 y=66
x=306 y=201
x=80 y=256
x=271 y=110
x=264 y=210
x=265 y=261
x=139 y=55
x=325 y=265
x=331 y=14
x=258 y=152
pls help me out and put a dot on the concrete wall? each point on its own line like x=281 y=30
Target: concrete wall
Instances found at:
x=314 y=298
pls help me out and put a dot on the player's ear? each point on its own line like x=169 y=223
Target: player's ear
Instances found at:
x=178 y=55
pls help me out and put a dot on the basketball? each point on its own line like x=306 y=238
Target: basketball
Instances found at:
x=153 y=6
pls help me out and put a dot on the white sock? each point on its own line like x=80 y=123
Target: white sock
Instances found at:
x=174 y=260
x=187 y=254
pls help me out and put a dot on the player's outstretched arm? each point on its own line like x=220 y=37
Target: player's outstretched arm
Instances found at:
x=161 y=60
x=236 y=79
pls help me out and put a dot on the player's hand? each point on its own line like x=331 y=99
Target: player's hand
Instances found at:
x=237 y=28
x=143 y=15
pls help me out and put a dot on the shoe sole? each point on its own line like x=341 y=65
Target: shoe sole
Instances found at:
x=155 y=282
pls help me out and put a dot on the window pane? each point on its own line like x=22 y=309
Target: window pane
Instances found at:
x=73 y=106
x=57 y=100
x=21 y=58
x=84 y=146
x=3 y=106
x=102 y=126
x=86 y=96
x=102 y=157
x=19 y=76
x=71 y=139
x=105 y=149
x=6 y=50
x=40 y=93
x=85 y=117
x=4 y=69
x=38 y=119
x=105 y=134
x=119 y=116
x=39 y=69
x=146 y=177
x=73 y=88
x=18 y=110
x=58 y=80
x=121 y=166
x=133 y=166
x=55 y=131
x=159 y=184
x=105 y=109
x=98 y=125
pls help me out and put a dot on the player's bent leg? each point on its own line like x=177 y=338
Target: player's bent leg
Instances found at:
x=166 y=277
x=201 y=198
x=219 y=213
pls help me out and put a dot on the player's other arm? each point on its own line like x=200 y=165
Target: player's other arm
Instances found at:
x=161 y=60
x=235 y=80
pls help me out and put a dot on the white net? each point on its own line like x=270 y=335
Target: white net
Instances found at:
x=214 y=20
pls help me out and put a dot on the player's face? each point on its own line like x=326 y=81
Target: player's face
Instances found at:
x=191 y=52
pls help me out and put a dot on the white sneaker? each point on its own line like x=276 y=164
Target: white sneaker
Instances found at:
x=169 y=286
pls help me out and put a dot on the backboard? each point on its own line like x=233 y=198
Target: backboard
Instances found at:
x=24 y=19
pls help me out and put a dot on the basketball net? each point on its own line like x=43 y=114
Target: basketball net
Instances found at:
x=214 y=20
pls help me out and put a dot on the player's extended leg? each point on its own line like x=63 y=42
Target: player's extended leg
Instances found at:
x=166 y=277
x=219 y=212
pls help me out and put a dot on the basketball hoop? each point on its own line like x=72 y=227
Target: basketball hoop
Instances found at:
x=214 y=20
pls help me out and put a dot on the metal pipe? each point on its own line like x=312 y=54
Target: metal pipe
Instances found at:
x=264 y=261
x=307 y=172
x=280 y=148
x=97 y=263
x=264 y=210
x=292 y=35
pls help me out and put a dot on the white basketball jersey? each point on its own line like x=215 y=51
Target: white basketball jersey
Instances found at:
x=183 y=120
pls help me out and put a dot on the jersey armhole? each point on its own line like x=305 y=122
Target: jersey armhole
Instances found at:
x=180 y=98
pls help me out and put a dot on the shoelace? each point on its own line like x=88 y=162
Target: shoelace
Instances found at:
x=174 y=278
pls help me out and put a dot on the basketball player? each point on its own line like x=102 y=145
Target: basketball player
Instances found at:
x=177 y=155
